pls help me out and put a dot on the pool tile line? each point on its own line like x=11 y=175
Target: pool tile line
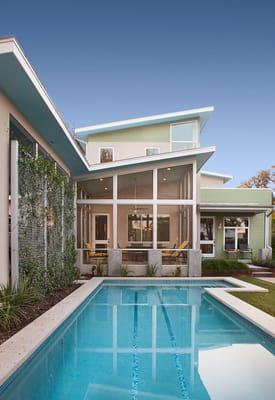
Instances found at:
x=135 y=365
x=183 y=386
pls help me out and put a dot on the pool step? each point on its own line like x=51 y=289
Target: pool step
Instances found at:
x=262 y=273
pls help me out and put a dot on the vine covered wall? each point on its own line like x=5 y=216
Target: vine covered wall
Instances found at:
x=47 y=253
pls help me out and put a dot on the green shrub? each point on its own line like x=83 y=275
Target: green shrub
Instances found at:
x=123 y=269
x=151 y=269
x=99 y=269
x=222 y=266
x=12 y=300
x=269 y=263
x=177 y=272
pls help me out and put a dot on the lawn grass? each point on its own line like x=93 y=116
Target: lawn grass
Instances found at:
x=263 y=301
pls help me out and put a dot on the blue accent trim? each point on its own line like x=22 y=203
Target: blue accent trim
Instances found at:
x=182 y=382
x=135 y=365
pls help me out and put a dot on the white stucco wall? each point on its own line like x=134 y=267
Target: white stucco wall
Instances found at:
x=211 y=181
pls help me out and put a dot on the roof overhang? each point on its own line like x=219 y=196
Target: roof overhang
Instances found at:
x=19 y=82
x=201 y=113
x=201 y=155
x=224 y=177
x=253 y=208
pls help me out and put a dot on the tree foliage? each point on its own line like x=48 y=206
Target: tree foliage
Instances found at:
x=263 y=179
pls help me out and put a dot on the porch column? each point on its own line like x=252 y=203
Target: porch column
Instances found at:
x=155 y=208
x=14 y=213
x=194 y=208
x=115 y=211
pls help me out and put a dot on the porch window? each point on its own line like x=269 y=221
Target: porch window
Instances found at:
x=106 y=154
x=236 y=233
x=136 y=186
x=184 y=136
x=164 y=228
x=175 y=182
x=100 y=188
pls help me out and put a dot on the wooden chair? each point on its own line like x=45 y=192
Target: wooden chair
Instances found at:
x=177 y=252
x=92 y=253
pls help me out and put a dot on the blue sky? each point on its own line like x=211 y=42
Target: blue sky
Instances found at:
x=108 y=60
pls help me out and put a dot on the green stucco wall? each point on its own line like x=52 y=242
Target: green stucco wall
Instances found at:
x=260 y=197
x=256 y=231
x=253 y=197
x=154 y=133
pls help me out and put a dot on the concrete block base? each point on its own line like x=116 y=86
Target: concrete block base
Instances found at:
x=194 y=262
x=114 y=262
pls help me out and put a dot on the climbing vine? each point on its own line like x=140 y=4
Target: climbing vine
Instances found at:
x=47 y=253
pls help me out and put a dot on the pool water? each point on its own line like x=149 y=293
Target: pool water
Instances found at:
x=139 y=342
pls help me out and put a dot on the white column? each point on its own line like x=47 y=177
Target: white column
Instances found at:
x=14 y=213
x=115 y=211
x=194 y=211
x=155 y=208
x=45 y=222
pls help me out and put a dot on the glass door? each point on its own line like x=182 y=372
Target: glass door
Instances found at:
x=207 y=236
x=100 y=231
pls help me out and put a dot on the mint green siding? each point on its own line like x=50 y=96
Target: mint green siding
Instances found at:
x=237 y=196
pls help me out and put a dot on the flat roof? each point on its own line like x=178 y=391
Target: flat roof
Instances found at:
x=201 y=113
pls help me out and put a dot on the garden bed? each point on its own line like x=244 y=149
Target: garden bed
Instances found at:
x=221 y=267
x=33 y=311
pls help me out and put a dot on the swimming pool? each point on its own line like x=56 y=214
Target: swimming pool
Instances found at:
x=138 y=340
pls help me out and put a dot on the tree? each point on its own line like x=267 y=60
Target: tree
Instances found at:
x=262 y=179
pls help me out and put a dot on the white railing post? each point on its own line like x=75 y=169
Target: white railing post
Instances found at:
x=14 y=214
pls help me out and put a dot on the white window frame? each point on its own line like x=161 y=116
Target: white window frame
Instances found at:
x=236 y=236
x=196 y=141
x=105 y=148
x=150 y=148
x=213 y=241
x=143 y=241
x=141 y=230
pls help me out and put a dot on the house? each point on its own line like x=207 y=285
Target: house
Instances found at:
x=142 y=195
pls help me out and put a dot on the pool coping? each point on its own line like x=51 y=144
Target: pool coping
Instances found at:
x=18 y=348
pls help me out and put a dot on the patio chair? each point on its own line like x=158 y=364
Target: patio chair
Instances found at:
x=177 y=252
x=92 y=253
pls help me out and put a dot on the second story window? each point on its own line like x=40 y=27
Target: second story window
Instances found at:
x=151 y=151
x=106 y=154
x=184 y=136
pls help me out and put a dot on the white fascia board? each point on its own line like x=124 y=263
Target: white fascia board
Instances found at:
x=10 y=45
x=148 y=159
x=225 y=177
x=152 y=119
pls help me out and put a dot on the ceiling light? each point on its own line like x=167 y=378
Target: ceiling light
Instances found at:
x=168 y=169
x=105 y=188
x=164 y=179
x=101 y=179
